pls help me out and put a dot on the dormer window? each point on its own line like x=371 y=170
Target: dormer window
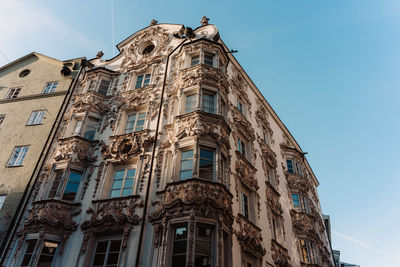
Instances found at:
x=143 y=81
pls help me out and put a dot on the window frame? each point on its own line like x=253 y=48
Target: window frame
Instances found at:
x=13 y=93
x=60 y=180
x=2 y=118
x=137 y=119
x=52 y=87
x=143 y=80
x=37 y=251
x=37 y=119
x=18 y=159
x=126 y=168
x=296 y=166
x=107 y=254
x=3 y=198
x=104 y=93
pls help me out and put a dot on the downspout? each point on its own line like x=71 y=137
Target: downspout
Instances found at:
x=146 y=200
x=30 y=186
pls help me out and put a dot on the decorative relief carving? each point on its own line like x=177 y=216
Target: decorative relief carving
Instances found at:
x=113 y=213
x=280 y=254
x=90 y=101
x=76 y=149
x=239 y=85
x=53 y=214
x=273 y=200
x=98 y=178
x=249 y=237
x=204 y=197
x=125 y=146
x=262 y=118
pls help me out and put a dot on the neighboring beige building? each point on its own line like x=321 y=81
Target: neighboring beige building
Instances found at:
x=169 y=156
x=32 y=92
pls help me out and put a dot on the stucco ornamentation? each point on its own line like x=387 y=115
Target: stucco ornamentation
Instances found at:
x=76 y=149
x=249 y=237
x=280 y=255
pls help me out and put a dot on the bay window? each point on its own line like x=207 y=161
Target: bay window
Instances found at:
x=66 y=190
x=209 y=59
x=86 y=128
x=186 y=169
x=208 y=102
x=300 y=203
x=190 y=103
x=308 y=251
x=195 y=60
x=46 y=253
x=206 y=165
x=294 y=166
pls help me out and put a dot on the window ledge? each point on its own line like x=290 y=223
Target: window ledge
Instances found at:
x=64 y=139
x=115 y=199
x=16 y=166
x=273 y=188
x=34 y=124
x=275 y=242
x=57 y=200
x=34 y=96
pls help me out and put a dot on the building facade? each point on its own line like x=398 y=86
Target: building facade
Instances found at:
x=168 y=155
x=32 y=92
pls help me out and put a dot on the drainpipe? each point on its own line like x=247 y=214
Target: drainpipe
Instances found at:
x=146 y=200
x=32 y=181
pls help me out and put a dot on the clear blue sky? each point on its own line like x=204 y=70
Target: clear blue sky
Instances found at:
x=330 y=69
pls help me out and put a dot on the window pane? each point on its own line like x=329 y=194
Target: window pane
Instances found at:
x=131 y=173
x=47 y=254
x=129 y=182
x=119 y=174
x=117 y=184
x=208 y=103
x=295 y=199
x=139 y=81
x=206 y=168
x=191 y=101
x=103 y=87
x=146 y=80
x=115 y=193
x=289 y=163
x=208 y=59
x=195 y=60
x=187 y=154
x=126 y=192
x=186 y=174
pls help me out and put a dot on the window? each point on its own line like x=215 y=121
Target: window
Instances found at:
x=135 y=122
x=294 y=166
x=191 y=103
x=78 y=127
x=50 y=87
x=277 y=230
x=300 y=203
x=71 y=189
x=207 y=163
x=271 y=176
x=12 y=93
x=91 y=128
x=179 y=246
x=2 y=200
x=208 y=59
x=103 y=87
x=245 y=205
x=107 y=253
x=186 y=169
x=148 y=49
x=308 y=251
x=17 y=156
x=208 y=102
x=240 y=106
x=203 y=246
x=143 y=81
x=195 y=60
x=242 y=147
x=2 y=117
x=36 y=117
x=46 y=254
x=24 y=73
x=67 y=193
x=123 y=182
x=267 y=138
x=224 y=167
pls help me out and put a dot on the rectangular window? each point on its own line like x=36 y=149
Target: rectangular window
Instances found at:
x=195 y=60
x=107 y=253
x=305 y=252
x=30 y=247
x=240 y=106
x=208 y=59
x=206 y=168
x=245 y=205
x=36 y=117
x=277 y=231
x=12 y=93
x=186 y=170
x=289 y=164
x=123 y=182
x=91 y=128
x=56 y=183
x=191 y=103
x=267 y=138
x=143 y=81
x=18 y=155
x=50 y=87
x=71 y=189
x=299 y=168
x=2 y=117
x=135 y=122
x=78 y=127
x=203 y=245
x=179 y=246
x=224 y=170
x=271 y=176
x=306 y=207
x=47 y=254
x=296 y=201
x=208 y=102
x=103 y=87
x=242 y=147
x=2 y=200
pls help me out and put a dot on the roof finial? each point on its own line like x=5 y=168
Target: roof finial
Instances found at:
x=153 y=22
x=100 y=54
x=204 y=21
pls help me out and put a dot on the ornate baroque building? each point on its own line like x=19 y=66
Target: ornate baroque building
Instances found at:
x=168 y=155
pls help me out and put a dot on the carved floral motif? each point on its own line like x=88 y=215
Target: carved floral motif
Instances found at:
x=76 y=149
x=280 y=254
